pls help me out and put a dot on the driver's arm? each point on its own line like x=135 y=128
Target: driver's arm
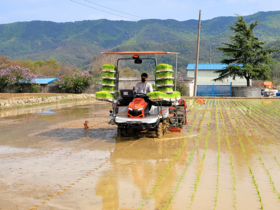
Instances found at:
x=150 y=88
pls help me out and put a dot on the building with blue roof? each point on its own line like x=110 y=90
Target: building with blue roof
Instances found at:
x=206 y=74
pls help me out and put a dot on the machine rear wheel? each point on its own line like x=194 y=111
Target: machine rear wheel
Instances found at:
x=159 y=130
x=119 y=132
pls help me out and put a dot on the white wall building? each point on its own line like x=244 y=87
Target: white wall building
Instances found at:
x=206 y=74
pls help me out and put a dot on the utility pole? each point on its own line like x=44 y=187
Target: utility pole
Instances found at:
x=210 y=55
x=197 y=55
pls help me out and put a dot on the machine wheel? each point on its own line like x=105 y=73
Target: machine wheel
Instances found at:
x=165 y=126
x=159 y=130
x=119 y=132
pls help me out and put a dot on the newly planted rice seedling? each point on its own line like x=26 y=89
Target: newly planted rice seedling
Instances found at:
x=218 y=158
x=163 y=66
x=261 y=140
x=246 y=158
x=107 y=88
x=108 y=74
x=109 y=67
x=108 y=82
x=190 y=156
x=165 y=82
x=171 y=163
x=256 y=151
x=231 y=162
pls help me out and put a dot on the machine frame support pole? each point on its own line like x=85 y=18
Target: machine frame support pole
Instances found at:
x=176 y=72
x=197 y=55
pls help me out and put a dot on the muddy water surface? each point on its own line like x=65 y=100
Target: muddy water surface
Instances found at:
x=226 y=158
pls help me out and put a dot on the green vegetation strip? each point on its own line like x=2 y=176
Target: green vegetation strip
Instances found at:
x=246 y=158
x=109 y=67
x=256 y=151
x=165 y=82
x=191 y=154
x=219 y=155
x=231 y=160
x=165 y=89
x=107 y=88
x=163 y=66
x=164 y=74
x=108 y=74
x=104 y=94
x=166 y=171
x=108 y=82
x=260 y=128
x=260 y=140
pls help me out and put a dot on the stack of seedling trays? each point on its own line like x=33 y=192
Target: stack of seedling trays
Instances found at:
x=108 y=83
x=164 y=85
x=164 y=78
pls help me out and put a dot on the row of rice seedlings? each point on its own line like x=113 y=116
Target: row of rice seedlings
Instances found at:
x=260 y=140
x=146 y=200
x=192 y=152
x=165 y=82
x=260 y=128
x=261 y=114
x=246 y=158
x=256 y=151
x=231 y=159
x=263 y=124
x=198 y=174
x=219 y=155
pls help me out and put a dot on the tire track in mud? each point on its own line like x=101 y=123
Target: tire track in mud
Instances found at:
x=246 y=158
x=257 y=152
x=90 y=172
x=260 y=140
x=231 y=160
x=192 y=152
x=146 y=200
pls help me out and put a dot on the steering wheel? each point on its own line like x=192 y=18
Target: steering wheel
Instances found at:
x=140 y=95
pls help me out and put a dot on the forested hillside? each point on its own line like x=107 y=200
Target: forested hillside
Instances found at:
x=76 y=43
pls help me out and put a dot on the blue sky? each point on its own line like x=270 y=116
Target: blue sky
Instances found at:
x=68 y=11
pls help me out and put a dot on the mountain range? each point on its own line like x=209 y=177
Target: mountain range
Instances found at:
x=78 y=42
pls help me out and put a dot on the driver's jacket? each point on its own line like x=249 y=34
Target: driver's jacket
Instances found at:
x=143 y=87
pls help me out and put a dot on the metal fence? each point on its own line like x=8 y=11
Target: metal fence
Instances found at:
x=214 y=90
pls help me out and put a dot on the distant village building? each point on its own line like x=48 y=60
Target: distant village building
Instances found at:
x=206 y=74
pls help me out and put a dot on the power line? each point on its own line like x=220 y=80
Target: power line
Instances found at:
x=113 y=9
x=102 y=10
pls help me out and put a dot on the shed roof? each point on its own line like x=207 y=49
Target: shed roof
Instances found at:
x=207 y=66
x=45 y=80
x=41 y=81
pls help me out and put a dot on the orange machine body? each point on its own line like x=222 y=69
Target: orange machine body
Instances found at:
x=137 y=108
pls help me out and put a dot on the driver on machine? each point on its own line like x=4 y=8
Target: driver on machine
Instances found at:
x=143 y=87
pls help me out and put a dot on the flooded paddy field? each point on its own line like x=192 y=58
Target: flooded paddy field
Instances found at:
x=228 y=157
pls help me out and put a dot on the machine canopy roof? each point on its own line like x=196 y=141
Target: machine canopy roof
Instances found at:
x=141 y=53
